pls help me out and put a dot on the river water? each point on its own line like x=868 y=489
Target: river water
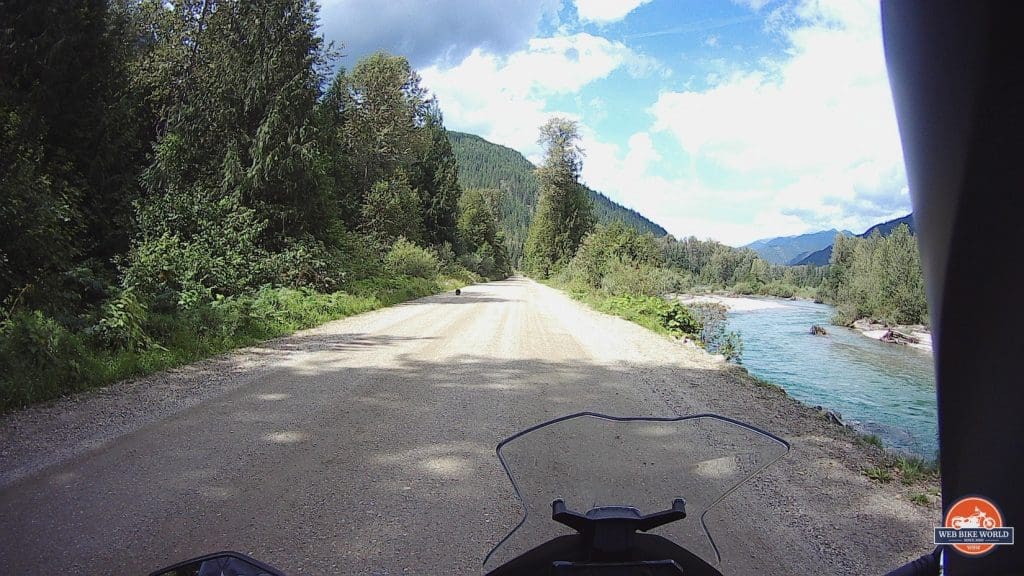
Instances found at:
x=879 y=388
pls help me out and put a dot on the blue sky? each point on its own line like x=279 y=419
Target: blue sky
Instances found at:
x=733 y=120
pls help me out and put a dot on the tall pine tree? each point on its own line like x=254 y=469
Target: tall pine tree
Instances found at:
x=564 y=212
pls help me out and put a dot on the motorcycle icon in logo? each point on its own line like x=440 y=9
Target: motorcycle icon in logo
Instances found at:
x=979 y=519
x=974 y=526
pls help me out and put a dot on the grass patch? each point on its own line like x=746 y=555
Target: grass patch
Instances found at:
x=921 y=499
x=909 y=469
x=43 y=360
x=912 y=469
x=656 y=314
x=870 y=440
x=879 y=474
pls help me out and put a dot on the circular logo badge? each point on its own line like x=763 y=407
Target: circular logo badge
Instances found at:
x=974 y=512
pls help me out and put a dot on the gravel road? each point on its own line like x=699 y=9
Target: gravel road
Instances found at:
x=366 y=446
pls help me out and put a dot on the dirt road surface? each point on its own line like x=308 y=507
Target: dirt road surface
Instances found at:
x=366 y=446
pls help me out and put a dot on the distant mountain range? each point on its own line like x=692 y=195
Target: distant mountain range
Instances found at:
x=824 y=256
x=815 y=248
x=484 y=164
x=790 y=249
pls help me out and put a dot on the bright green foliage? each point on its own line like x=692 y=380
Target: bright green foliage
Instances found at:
x=176 y=183
x=385 y=110
x=564 y=211
x=486 y=165
x=234 y=178
x=408 y=259
x=877 y=277
x=392 y=209
x=710 y=264
x=44 y=360
x=436 y=176
x=381 y=129
x=610 y=244
x=483 y=244
x=121 y=326
x=41 y=359
x=658 y=314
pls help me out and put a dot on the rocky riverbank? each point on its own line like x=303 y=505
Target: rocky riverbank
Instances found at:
x=915 y=335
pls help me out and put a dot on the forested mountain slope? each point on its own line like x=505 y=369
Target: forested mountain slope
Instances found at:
x=823 y=256
x=792 y=249
x=484 y=164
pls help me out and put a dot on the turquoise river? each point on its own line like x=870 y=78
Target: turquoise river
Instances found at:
x=879 y=388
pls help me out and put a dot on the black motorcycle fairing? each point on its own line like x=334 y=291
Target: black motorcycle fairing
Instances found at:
x=572 y=549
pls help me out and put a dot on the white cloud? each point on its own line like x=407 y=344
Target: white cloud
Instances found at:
x=817 y=125
x=606 y=11
x=504 y=99
x=711 y=41
x=411 y=27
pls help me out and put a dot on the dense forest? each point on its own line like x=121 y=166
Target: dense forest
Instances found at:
x=877 y=277
x=182 y=177
x=513 y=182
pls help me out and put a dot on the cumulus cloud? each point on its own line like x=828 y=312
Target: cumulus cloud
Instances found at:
x=817 y=125
x=606 y=11
x=505 y=99
x=426 y=33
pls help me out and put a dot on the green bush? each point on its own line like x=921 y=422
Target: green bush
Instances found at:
x=658 y=314
x=121 y=326
x=408 y=259
x=40 y=358
x=714 y=336
x=626 y=277
x=307 y=263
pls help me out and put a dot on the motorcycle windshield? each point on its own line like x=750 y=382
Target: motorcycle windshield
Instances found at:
x=592 y=460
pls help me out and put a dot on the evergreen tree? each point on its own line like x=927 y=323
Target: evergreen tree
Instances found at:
x=234 y=178
x=436 y=176
x=73 y=135
x=564 y=212
x=391 y=210
x=478 y=232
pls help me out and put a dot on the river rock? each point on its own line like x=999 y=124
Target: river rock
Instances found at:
x=830 y=415
x=818 y=330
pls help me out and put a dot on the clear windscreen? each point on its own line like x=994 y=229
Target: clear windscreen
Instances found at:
x=591 y=460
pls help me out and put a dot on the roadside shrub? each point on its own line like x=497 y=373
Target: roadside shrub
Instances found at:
x=306 y=263
x=390 y=290
x=41 y=359
x=408 y=259
x=446 y=257
x=714 y=336
x=653 y=312
x=627 y=277
x=748 y=288
x=121 y=326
